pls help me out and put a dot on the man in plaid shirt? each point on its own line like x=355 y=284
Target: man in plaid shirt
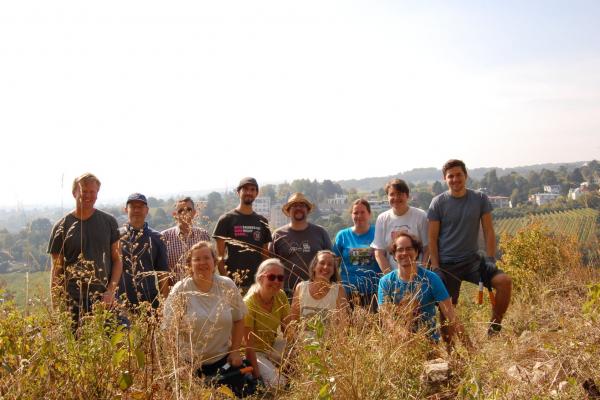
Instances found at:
x=180 y=238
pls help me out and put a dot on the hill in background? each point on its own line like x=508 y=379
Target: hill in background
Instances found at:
x=433 y=174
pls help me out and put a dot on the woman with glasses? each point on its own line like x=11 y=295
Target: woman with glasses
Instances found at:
x=322 y=296
x=268 y=310
x=359 y=270
x=413 y=290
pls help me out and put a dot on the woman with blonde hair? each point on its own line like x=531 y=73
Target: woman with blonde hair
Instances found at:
x=268 y=310
x=322 y=294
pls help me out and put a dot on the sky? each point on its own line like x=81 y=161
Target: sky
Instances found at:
x=170 y=97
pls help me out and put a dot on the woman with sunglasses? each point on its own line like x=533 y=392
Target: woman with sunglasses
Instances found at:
x=322 y=295
x=268 y=310
x=414 y=290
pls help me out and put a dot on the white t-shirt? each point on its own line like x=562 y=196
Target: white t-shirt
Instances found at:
x=204 y=320
x=388 y=225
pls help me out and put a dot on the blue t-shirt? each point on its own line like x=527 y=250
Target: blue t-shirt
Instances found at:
x=427 y=288
x=359 y=269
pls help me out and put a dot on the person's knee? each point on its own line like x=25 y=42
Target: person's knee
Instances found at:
x=502 y=282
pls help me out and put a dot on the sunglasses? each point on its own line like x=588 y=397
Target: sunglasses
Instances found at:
x=272 y=277
x=186 y=209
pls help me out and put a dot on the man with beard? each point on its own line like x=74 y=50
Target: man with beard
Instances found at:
x=242 y=236
x=298 y=242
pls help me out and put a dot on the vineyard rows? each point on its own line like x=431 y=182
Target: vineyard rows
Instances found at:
x=580 y=223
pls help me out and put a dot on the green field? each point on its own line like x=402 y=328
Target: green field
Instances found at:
x=580 y=223
x=21 y=285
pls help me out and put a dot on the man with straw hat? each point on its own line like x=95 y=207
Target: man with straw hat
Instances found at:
x=297 y=242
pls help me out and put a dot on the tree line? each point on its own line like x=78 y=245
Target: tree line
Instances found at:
x=27 y=248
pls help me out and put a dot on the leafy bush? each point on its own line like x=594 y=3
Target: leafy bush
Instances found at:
x=533 y=255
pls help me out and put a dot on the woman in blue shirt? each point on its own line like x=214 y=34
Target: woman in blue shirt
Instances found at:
x=359 y=270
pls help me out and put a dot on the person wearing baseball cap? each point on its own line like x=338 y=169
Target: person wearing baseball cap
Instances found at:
x=298 y=242
x=242 y=236
x=144 y=255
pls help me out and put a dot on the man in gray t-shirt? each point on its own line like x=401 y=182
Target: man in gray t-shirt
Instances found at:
x=86 y=259
x=454 y=220
x=297 y=243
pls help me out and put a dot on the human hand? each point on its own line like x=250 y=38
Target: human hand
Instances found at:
x=108 y=297
x=234 y=358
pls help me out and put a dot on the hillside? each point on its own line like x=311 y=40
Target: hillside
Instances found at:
x=431 y=175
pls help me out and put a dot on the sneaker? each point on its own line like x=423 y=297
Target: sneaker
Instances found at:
x=494 y=329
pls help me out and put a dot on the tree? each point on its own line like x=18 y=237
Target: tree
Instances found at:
x=268 y=191
x=214 y=206
x=437 y=188
x=330 y=188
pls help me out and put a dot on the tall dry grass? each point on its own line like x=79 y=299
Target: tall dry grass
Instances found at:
x=548 y=348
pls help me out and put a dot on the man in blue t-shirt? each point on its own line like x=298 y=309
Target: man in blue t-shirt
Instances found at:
x=454 y=220
x=415 y=290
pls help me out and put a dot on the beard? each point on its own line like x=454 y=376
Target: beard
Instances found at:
x=299 y=216
x=247 y=201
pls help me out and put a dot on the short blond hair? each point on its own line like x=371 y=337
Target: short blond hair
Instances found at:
x=84 y=178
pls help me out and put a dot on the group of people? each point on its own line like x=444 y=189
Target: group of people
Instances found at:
x=408 y=256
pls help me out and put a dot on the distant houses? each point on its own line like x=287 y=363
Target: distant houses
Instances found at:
x=500 y=201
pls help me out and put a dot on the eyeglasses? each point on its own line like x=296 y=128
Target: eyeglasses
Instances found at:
x=185 y=209
x=272 y=277
x=299 y=205
x=404 y=249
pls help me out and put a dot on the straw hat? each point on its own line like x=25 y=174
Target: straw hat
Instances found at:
x=296 y=198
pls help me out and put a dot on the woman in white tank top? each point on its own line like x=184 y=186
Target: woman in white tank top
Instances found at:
x=322 y=295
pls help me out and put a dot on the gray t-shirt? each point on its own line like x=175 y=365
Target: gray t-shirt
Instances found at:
x=204 y=319
x=92 y=239
x=460 y=219
x=297 y=248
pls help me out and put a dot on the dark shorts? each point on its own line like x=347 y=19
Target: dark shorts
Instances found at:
x=473 y=270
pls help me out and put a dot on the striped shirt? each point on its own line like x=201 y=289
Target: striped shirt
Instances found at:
x=178 y=245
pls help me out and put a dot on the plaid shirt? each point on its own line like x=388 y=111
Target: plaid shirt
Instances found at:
x=177 y=246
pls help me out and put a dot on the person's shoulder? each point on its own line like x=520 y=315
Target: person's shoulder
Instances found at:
x=441 y=197
x=417 y=211
x=224 y=281
x=153 y=232
x=389 y=277
x=428 y=274
x=169 y=231
x=181 y=286
x=228 y=215
x=105 y=216
x=281 y=231
x=251 y=301
x=387 y=214
x=316 y=228
x=199 y=231
x=344 y=232
x=477 y=194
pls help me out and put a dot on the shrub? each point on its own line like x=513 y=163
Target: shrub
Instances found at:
x=533 y=255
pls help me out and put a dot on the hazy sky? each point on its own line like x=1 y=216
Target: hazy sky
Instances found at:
x=162 y=97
